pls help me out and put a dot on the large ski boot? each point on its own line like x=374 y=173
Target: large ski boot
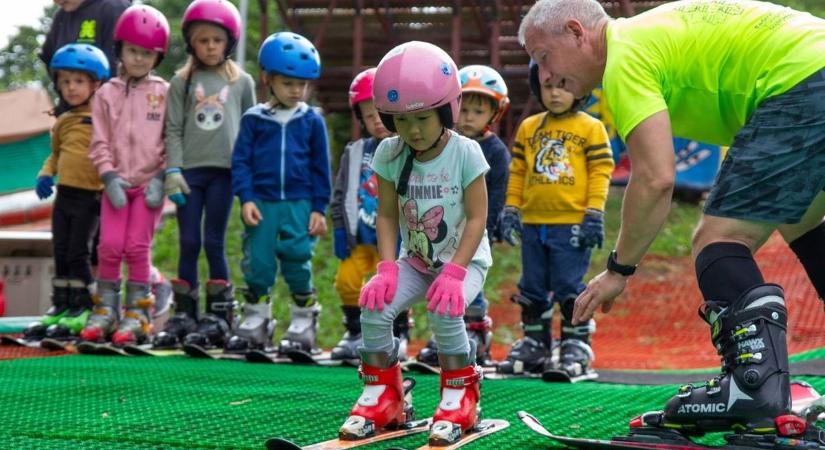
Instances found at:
x=575 y=353
x=347 y=347
x=36 y=331
x=384 y=403
x=184 y=320
x=530 y=353
x=303 y=324
x=214 y=327
x=105 y=314
x=459 y=409
x=753 y=388
x=401 y=330
x=80 y=308
x=136 y=325
x=256 y=329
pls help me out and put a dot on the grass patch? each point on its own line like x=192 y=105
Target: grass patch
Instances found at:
x=673 y=240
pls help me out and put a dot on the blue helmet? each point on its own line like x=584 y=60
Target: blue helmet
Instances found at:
x=81 y=57
x=291 y=55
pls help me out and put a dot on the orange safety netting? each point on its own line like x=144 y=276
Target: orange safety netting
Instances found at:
x=654 y=324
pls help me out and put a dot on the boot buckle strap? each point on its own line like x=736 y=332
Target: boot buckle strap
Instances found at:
x=478 y=326
x=744 y=358
x=381 y=377
x=138 y=315
x=461 y=382
x=744 y=332
x=145 y=302
x=221 y=306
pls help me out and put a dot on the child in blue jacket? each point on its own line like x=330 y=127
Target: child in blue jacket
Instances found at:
x=281 y=174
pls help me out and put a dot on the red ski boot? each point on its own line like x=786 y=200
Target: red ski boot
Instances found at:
x=458 y=410
x=383 y=403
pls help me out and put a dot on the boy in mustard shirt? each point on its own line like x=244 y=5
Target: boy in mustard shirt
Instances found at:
x=78 y=70
x=559 y=177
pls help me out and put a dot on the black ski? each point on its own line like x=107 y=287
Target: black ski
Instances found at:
x=106 y=349
x=319 y=359
x=664 y=439
x=19 y=342
x=417 y=366
x=270 y=356
x=58 y=345
x=562 y=376
x=148 y=350
x=196 y=351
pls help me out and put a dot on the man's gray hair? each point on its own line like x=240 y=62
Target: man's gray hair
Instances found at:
x=551 y=15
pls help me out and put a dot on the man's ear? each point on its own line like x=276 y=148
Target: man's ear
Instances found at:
x=575 y=28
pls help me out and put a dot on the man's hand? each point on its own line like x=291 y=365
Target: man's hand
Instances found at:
x=601 y=291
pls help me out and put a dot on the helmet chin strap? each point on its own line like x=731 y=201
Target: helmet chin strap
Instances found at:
x=434 y=145
x=404 y=178
x=278 y=101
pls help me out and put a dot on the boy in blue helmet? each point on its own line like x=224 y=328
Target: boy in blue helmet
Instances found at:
x=281 y=174
x=78 y=70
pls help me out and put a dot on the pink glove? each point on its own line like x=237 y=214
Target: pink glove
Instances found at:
x=448 y=290
x=380 y=290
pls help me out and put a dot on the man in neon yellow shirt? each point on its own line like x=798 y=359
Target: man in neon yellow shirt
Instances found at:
x=729 y=72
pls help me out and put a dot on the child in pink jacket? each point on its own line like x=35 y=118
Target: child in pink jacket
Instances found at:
x=128 y=151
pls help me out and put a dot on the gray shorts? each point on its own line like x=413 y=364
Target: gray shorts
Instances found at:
x=776 y=165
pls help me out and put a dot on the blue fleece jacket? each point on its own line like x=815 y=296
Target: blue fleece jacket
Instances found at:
x=275 y=161
x=498 y=157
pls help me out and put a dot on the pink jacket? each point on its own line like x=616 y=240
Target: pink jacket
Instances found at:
x=127 y=125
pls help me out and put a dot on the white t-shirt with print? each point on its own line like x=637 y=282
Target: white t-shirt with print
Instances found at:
x=432 y=212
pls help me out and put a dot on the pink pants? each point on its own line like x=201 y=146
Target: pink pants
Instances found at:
x=126 y=234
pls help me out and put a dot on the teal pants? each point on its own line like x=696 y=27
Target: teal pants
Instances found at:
x=282 y=236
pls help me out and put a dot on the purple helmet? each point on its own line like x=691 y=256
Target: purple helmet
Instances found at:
x=143 y=26
x=216 y=12
x=417 y=76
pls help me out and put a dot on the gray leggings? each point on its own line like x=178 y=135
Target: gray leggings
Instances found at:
x=449 y=332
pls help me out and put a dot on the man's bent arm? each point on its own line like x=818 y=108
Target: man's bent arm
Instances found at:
x=648 y=194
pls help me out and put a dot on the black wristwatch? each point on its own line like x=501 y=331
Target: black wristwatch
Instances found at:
x=621 y=269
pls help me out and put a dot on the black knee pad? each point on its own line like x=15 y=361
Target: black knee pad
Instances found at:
x=726 y=270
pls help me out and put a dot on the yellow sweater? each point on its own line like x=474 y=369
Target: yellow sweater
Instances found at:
x=560 y=167
x=69 y=159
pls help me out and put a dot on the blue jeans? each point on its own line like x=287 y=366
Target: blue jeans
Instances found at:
x=550 y=263
x=208 y=206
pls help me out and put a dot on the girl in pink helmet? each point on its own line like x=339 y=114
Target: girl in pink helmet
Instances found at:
x=354 y=208
x=127 y=150
x=431 y=186
x=207 y=97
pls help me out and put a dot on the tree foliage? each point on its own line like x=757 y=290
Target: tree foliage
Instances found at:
x=20 y=65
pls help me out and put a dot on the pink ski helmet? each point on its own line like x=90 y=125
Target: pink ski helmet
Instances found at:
x=216 y=12
x=145 y=27
x=417 y=76
x=360 y=90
